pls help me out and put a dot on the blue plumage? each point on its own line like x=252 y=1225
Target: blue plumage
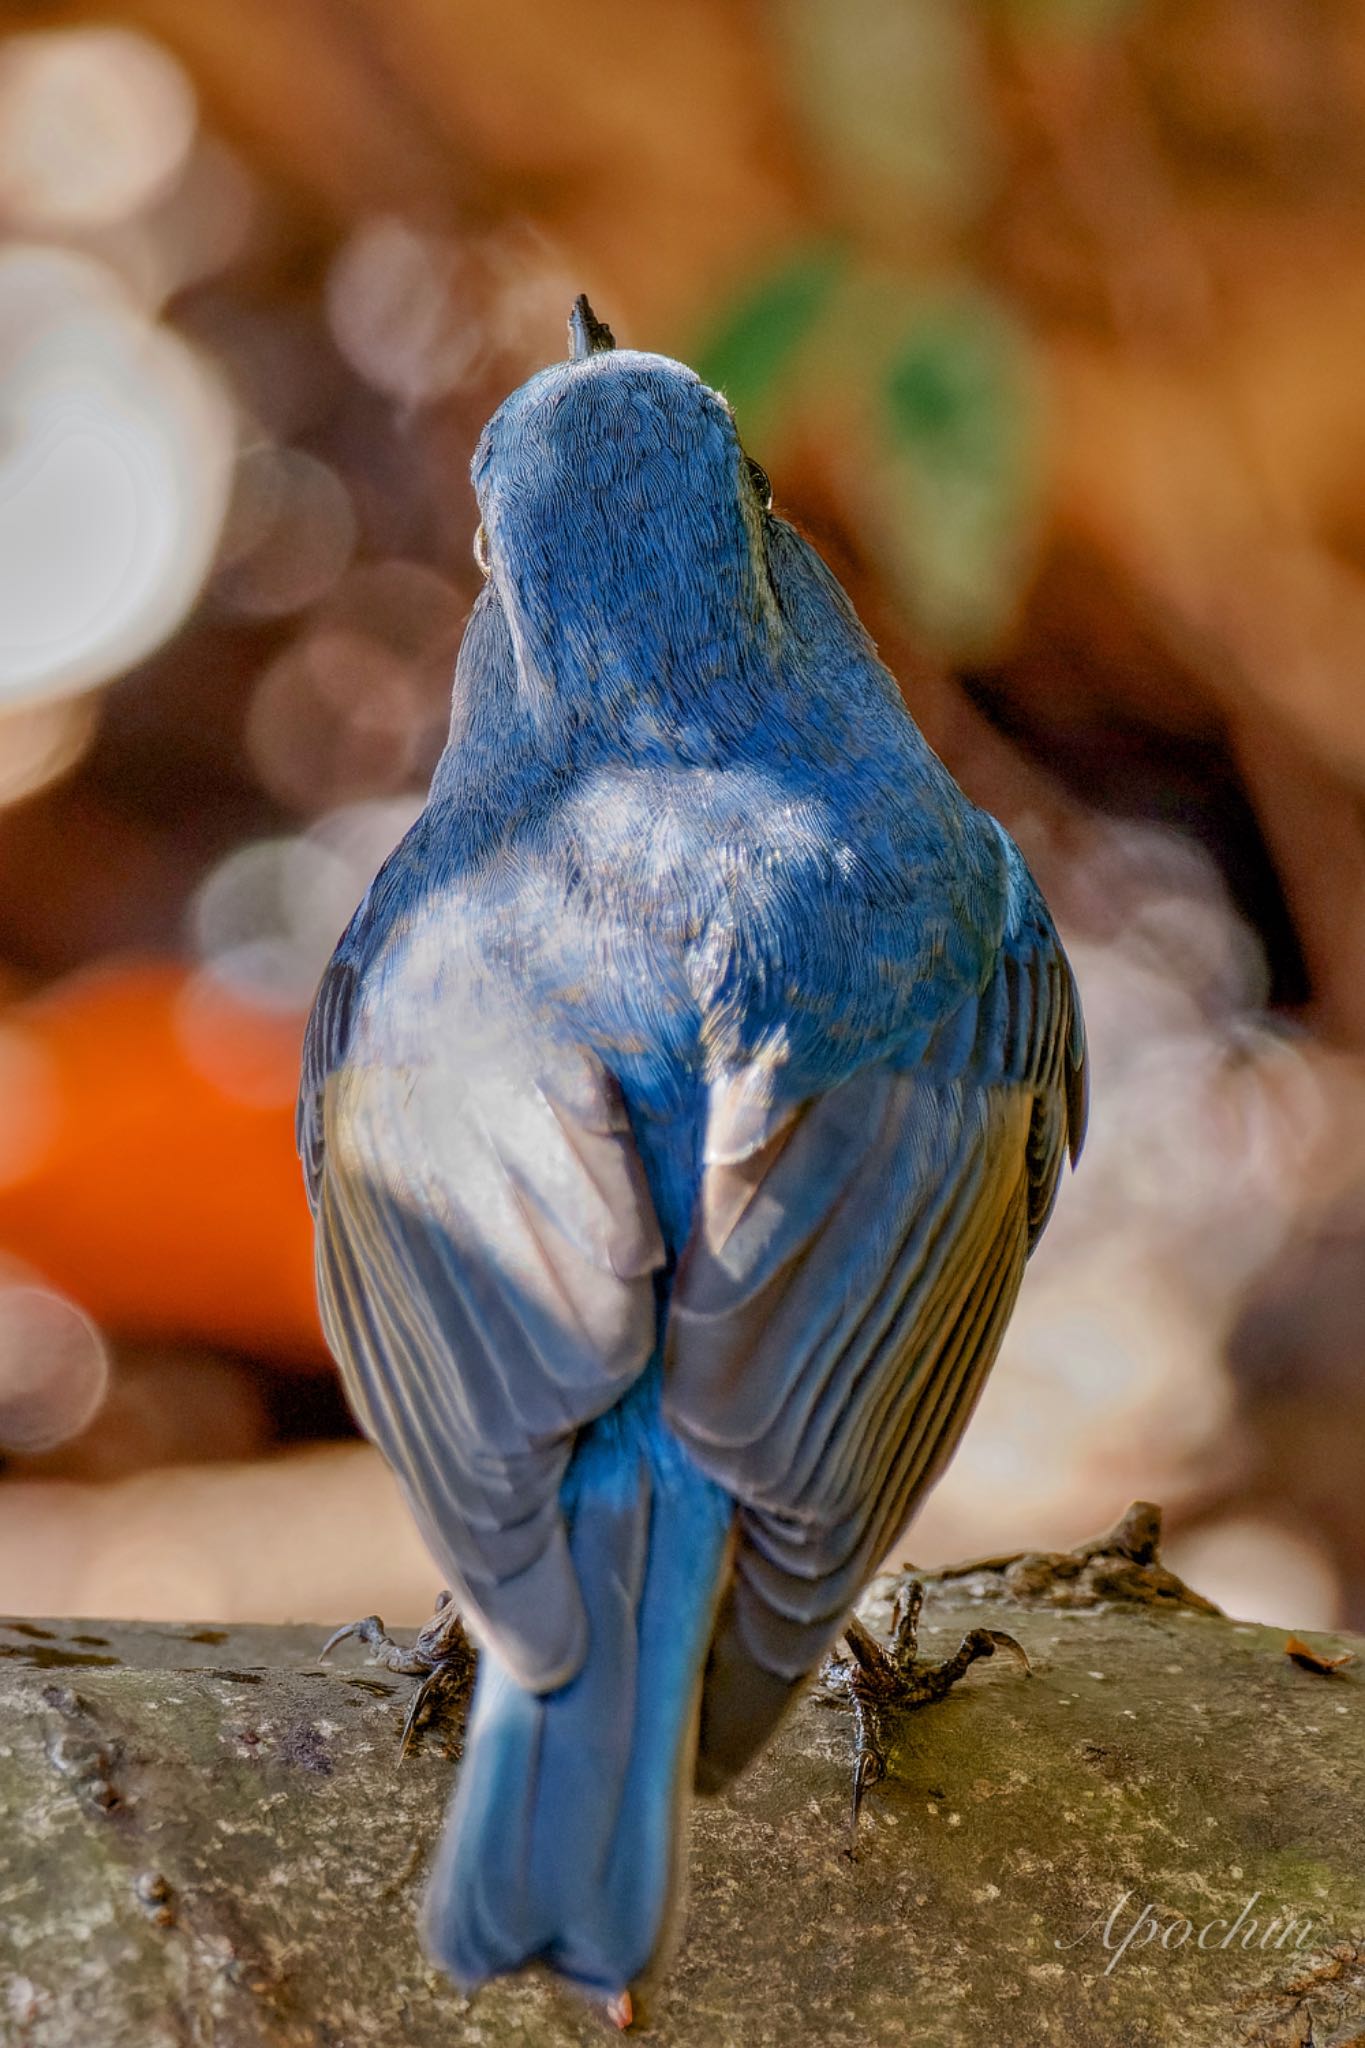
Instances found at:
x=678 y=1112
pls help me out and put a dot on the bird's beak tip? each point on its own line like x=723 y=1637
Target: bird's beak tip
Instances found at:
x=588 y=336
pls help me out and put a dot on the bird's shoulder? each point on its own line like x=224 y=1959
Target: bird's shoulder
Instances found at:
x=670 y=916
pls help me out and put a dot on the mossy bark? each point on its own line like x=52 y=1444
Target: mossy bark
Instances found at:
x=208 y=1839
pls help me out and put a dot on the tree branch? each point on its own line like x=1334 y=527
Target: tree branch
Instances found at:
x=1157 y=1838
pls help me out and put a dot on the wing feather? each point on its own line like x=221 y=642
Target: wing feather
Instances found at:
x=843 y=1296
x=486 y=1256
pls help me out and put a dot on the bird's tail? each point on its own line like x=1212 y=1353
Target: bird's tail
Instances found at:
x=564 y=1837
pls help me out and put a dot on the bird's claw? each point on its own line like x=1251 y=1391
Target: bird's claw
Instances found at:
x=426 y=1701
x=384 y=1651
x=879 y=1681
x=1000 y=1641
x=441 y=1659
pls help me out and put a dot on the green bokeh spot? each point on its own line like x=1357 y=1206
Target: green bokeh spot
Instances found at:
x=961 y=407
x=750 y=350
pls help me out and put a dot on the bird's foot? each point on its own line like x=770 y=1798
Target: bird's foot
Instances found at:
x=441 y=1658
x=880 y=1681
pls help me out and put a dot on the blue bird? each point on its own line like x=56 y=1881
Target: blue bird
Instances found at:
x=679 y=1109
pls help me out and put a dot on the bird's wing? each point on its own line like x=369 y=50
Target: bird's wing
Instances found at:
x=486 y=1248
x=847 y=1284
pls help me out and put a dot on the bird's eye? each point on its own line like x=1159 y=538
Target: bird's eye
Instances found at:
x=758 y=477
x=481 y=551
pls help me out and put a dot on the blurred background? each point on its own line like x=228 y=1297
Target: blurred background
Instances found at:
x=1047 y=318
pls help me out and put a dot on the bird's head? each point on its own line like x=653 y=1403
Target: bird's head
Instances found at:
x=622 y=524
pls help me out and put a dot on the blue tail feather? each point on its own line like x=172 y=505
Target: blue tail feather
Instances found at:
x=563 y=1837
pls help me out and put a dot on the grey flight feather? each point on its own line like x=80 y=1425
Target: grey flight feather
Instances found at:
x=512 y=1231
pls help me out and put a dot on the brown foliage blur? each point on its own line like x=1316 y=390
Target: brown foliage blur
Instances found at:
x=1046 y=317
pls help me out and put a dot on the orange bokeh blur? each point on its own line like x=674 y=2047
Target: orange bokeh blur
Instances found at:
x=160 y=1187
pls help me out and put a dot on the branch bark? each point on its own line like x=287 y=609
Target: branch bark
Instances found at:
x=1158 y=1837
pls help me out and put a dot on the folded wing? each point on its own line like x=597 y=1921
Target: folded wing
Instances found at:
x=486 y=1251
x=842 y=1299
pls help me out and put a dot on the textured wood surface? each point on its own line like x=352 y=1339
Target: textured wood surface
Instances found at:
x=208 y=1838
